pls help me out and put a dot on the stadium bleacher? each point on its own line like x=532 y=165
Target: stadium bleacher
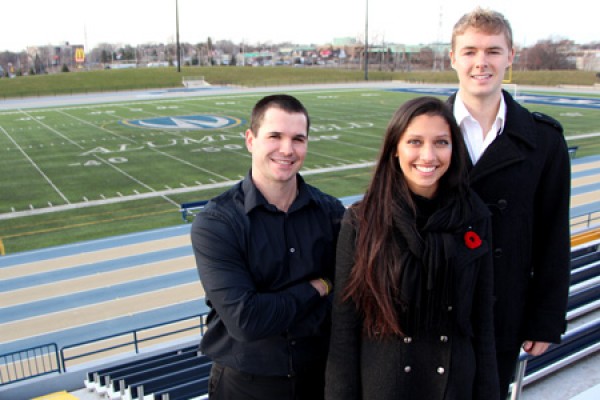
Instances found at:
x=172 y=262
x=577 y=343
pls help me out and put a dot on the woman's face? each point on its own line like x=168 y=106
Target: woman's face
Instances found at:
x=424 y=152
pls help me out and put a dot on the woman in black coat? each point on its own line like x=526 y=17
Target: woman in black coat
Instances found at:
x=412 y=315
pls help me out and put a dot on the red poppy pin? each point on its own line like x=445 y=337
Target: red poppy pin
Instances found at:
x=472 y=240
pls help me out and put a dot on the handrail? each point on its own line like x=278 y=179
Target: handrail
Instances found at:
x=588 y=289
x=24 y=364
x=575 y=344
x=135 y=341
x=586 y=220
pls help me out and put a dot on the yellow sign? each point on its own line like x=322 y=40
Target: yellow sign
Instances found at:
x=79 y=54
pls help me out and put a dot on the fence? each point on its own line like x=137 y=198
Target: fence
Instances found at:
x=25 y=364
x=585 y=261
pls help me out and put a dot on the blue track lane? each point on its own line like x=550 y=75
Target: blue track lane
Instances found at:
x=93 y=268
x=95 y=296
x=110 y=327
x=92 y=245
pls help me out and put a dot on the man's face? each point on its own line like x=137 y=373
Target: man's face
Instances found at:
x=480 y=61
x=278 y=148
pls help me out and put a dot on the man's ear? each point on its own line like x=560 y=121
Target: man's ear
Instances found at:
x=249 y=139
x=511 y=56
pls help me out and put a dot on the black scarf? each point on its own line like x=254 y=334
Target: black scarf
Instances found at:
x=425 y=244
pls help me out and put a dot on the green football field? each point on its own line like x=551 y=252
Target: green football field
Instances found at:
x=81 y=172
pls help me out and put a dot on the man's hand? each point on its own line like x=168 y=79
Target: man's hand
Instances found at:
x=535 y=348
x=323 y=286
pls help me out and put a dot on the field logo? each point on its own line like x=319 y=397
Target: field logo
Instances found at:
x=188 y=122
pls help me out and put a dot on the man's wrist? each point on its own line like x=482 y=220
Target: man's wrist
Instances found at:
x=328 y=286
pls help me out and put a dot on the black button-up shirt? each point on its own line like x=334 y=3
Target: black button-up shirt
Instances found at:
x=255 y=263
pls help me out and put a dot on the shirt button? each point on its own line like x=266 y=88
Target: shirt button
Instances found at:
x=293 y=342
x=407 y=369
x=502 y=204
x=407 y=340
x=443 y=339
x=498 y=252
x=449 y=308
x=292 y=250
x=441 y=370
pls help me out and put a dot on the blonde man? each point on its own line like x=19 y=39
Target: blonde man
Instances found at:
x=520 y=168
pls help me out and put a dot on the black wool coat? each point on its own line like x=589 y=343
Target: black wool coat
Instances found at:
x=454 y=361
x=524 y=178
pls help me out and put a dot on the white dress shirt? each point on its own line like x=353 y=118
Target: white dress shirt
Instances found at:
x=472 y=131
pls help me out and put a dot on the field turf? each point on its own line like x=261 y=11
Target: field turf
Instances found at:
x=82 y=172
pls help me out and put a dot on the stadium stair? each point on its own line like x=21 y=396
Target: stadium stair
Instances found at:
x=177 y=374
x=189 y=379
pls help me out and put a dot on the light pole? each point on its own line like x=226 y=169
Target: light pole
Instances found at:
x=367 y=41
x=177 y=35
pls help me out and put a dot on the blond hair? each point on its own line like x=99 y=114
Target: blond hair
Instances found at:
x=486 y=21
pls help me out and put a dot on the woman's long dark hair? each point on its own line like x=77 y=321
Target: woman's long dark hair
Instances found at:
x=374 y=283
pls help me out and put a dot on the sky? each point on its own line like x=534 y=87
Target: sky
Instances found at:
x=133 y=22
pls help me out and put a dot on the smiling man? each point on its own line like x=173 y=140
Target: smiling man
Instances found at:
x=520 y=168
x=265 y=252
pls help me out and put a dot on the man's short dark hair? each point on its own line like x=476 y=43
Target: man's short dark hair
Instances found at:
x=284 y=102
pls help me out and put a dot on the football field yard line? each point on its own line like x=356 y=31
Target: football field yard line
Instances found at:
x=98 y=158
x=583 y=136
x=165 y=193
x=119 y=169
x=83 y=121
x=135 y=179
x=189 y=164
x=51 y=129
x=56 y=189
x=95 y=156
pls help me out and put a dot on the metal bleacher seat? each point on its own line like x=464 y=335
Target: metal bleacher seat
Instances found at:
x=579 y=342
x=172 y=383
x=99 y=380
x=584 y=255
x=184 y=391
x=119 y=383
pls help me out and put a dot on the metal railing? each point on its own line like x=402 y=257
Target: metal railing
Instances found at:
x=586 y=220
x=41 y=360
x=584 y=298
x=135 y=340
x=28 y=363
x=575 y=345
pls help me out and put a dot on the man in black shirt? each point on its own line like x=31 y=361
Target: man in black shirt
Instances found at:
x=265 y=251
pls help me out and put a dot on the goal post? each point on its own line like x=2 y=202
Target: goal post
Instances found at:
x=194 y=81
x=508 y=75
x=508 y=84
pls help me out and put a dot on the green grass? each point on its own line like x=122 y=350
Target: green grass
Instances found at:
x=82 y=154
x=82 y=81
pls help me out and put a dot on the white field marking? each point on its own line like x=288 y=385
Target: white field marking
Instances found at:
x=106 y=162
x=153 y=149
x=189 y=164
x=83 y=121
x=51 y=129
x=583 y=136
x=162 y=193
x=113 y=166
x=36 y=167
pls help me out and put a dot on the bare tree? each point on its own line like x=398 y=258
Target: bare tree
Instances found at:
x=548 y=55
